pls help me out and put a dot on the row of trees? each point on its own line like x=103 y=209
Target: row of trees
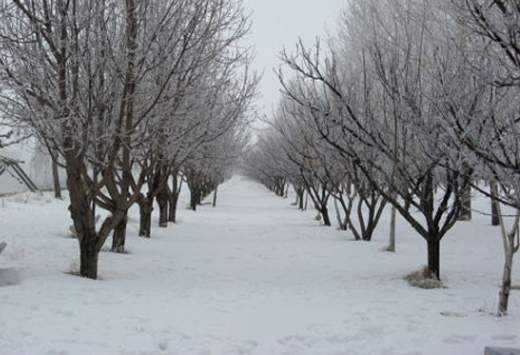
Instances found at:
x=410 y=104
x=128 y=97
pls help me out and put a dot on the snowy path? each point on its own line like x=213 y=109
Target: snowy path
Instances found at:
x=252 y=276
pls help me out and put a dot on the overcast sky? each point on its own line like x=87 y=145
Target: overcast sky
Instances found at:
x=278 y=23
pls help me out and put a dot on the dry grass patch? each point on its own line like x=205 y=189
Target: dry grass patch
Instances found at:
x=423 y=279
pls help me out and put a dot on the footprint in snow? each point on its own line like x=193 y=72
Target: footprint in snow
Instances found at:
x=163 y=346
x=457 y=339
x=453 y=314
x=504 y=337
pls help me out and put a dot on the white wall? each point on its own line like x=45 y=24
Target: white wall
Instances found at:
x=36 y=164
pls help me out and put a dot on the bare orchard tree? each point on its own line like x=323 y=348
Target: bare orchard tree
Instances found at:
x=40 y=63
x=490 y=55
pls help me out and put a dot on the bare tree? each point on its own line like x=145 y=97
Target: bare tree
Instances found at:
x=491 y=56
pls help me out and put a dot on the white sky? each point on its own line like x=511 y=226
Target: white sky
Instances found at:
x=279 y=23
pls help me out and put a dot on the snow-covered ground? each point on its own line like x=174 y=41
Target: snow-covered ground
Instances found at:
x=252 y=276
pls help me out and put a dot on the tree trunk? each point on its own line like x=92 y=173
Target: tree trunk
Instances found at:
x=391 y=245
x=56 y=179
x=434 y=252
x=162 y=201
x=145 y=221
x=465 y=210
x=342 y=226
x=301 y=193
x=83 y=219
x=193 y=202
x=88 y=257
x=198 y=196
x=505 y=288
x=119 y=235
x=369 y=231
x=173 y=198
x=194 y=198
x=393 y=213
x=494 y=214
x=495 y=220
x=511 y=244
x=215 y=192
x=325 y=214
x=172 y=208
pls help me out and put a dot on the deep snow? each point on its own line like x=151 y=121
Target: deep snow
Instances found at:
x=252 y=276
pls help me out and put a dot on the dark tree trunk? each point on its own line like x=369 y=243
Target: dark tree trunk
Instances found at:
x=163 y=214
x=88 y=257
x=300 y=199
x=95 y=174
x=495 y=220
x=56 y=179
x=199 y=197
x=215 y=192
x=376 y=207
x=162 y=201
x=193 y=202
x=84 y=221
x=145 y=221
x=369 y=232
x=172 y=211
x=393 y=216
x=194 y=198
x=434 y=252
x=173 y=198
x=119 y=235
x=325 y=214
